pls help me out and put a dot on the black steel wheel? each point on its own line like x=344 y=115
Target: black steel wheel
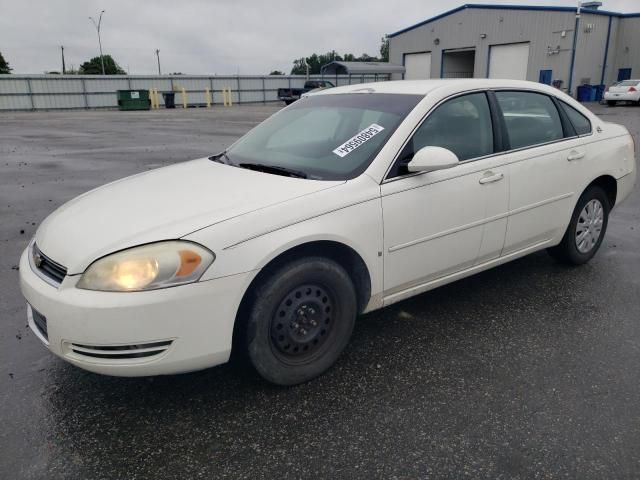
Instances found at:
x=302 y=323
x=300 y=320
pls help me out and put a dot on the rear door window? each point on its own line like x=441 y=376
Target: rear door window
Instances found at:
x=531 y=118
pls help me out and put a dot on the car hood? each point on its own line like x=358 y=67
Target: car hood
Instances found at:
x=162 y=204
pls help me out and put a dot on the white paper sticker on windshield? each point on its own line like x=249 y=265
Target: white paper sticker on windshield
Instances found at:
x=360 y=138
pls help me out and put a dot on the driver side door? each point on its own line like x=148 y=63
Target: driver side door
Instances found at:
x=446 y=221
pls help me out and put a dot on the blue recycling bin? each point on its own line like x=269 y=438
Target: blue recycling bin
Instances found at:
x=600 y=92
x=584 y=93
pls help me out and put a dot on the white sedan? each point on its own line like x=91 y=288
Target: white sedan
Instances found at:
x=347 y=201
x=624 y=91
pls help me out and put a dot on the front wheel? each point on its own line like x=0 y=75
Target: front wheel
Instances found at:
x=586 y=230
x=301 y=319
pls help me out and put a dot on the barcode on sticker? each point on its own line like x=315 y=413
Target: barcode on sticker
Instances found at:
x=358 y=139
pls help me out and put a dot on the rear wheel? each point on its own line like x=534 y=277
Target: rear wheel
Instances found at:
x=611 y=103
x=301 y=319
x=586 y=230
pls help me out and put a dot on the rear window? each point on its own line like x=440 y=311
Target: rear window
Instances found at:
x=580 y=123
x=531 y=118
x=628 y=83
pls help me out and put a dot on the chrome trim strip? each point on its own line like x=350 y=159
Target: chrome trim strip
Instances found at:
x=477 y=223
x=417 y=288
x=38 y=272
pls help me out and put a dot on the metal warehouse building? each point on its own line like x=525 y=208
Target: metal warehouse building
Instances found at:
x=545 y=44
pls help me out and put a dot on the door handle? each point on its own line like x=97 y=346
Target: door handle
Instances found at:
x=491 y=177
x=574 y=155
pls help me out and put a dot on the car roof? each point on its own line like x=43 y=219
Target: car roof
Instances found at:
x=423 y=87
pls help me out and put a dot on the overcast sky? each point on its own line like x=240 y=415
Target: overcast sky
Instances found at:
x=211 y=36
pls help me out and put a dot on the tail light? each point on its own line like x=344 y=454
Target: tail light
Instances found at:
x=632 y=89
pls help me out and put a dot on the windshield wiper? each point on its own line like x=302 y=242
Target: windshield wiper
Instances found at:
x=276 y=170
x=221 y=158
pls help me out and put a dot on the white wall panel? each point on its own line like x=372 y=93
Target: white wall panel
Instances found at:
x=56 y=85
x=15 y=102
x=58 y=101
x=13 y=85
x=96 y=91
x=100 y=100
x=102 y=84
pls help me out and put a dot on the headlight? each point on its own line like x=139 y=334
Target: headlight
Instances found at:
x=148 y=267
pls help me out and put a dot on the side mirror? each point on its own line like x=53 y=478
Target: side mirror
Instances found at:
x=428 y=159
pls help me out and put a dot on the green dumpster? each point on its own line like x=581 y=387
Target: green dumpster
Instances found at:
x=133 y=100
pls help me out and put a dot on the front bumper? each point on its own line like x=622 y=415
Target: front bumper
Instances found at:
x=159 y=332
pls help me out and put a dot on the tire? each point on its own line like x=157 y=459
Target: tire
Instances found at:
x=586 y=229
x=300 y=320
x=288 y=102
x=611 y=103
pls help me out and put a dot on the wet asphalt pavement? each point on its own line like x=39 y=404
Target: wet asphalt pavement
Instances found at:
x=530 y=370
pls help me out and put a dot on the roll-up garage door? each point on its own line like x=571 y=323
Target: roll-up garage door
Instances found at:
x=417 y=66
x=509 y=61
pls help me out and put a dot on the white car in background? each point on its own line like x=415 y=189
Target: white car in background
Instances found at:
x=349 y=200
x=624 y=91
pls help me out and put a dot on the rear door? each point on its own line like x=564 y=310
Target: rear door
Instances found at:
x=542 y=161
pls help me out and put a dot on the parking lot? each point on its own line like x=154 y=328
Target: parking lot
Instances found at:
x=529 y=370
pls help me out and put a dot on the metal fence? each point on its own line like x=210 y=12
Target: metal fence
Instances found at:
x=52 y=92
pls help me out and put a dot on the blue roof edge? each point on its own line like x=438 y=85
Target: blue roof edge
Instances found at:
x=482 y=6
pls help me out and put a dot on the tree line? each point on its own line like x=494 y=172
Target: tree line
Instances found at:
x=315 y=62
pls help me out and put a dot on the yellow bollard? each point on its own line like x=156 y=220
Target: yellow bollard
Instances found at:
x=155 y=98
x=207 y=97
x=226 y=95
x=184 y=98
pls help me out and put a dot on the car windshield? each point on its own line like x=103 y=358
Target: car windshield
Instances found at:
x=324 y=137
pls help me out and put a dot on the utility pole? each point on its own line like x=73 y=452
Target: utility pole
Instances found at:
x=63 y=68
x=573 y=48
x=158 y=55
x=97 y=25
